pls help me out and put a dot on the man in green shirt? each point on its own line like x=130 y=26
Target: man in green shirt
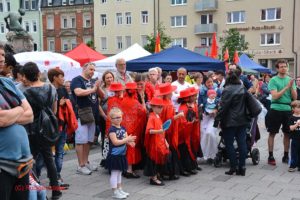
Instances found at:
x=283 y=91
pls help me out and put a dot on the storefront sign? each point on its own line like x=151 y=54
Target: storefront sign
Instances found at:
x=258 y=28
x=264 y=52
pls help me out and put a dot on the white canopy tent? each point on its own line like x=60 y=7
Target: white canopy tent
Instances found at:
x=47 y=60
x=132 y=52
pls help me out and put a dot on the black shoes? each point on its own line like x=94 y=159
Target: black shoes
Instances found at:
x=285 y=159
x=156 y=182
x=193 y=172
x=56 y=194
x=184 y=173
x=173 y=177
x=130 y=175
x=238 y=172
x=231 y=171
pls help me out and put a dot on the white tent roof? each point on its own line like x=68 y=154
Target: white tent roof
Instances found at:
x=132 y=52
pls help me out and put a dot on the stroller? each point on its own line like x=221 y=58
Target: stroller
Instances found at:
x=252 y=136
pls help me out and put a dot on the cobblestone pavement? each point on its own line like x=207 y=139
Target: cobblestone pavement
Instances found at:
x=262 y=182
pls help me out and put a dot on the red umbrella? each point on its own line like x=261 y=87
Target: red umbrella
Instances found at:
x=236 y=58
x=214 y=47
x=84 y=54
x=226 y=58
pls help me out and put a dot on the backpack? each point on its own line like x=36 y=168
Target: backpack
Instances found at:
x=45 y=122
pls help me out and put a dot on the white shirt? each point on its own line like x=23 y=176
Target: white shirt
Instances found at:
x=176 y=93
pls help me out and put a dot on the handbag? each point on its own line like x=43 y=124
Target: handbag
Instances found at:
x=86 y=115
x=253 y=108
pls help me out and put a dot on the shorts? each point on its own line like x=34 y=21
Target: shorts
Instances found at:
x=274 y=119
x=85 y=133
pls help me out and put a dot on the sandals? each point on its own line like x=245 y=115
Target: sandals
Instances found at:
x=156 y=182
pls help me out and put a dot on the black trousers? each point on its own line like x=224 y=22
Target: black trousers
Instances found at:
x=38 y=145
x=12 y=188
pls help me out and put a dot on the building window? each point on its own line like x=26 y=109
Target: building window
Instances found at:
x=1 y=6
x=144 y=17
x=144 y=40
x=271 y=14
x=73 y=43
x=73 y=22
x=65 y=46
x=128 y=41
x=71 y=2
x=128 y=17
x=119 y=18
x=103 y=19
x=50 y=22
x=27 y=26
x=51 y=45
x=182 y=42
x=178 y=2
x=103 y=1
x=207 y=19
x=206 y=41
x=119 y=42
x=86 y=40
x=34 y=26
x=87 y=20
x=68 y=44
x=8 y=5
x=64 y=22
x=2 y=28
x=64 y=2
x=26 y=4
x=270 y=39
x=49 y=2
x=236 y=17
x=33 y=5
x=178 y=21
x=86 y=1
x=103 y=43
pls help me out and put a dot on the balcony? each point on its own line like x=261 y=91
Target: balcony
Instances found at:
x=205 y=28
x=206 y=5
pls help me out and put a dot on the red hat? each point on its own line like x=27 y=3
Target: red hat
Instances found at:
x=131 y=86
x=156 y=101
x=188 y=92
x=166 y=88
x=116 y=86
x=210 y=92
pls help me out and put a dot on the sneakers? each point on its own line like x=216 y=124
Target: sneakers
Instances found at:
x=91 y=167
x=292 y=169
x=118 y=195
x=271 y=161
x=124 y=193
x=83 y=170
x=285 y=159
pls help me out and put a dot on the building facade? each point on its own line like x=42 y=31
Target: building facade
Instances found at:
x=66 y=24
x=268 y=26
x=31 y=21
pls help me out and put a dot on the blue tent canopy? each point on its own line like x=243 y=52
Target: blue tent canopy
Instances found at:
x=174 y=58
x=246 y=62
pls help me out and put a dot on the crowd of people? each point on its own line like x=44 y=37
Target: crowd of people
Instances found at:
x=145 y=121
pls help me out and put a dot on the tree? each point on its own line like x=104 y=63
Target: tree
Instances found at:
x=90 y=44
x=233 y=41
x=165 y=40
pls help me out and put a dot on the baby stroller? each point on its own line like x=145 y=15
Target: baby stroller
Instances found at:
x=251 y=138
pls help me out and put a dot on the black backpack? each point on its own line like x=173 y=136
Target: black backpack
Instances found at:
x=45 y=122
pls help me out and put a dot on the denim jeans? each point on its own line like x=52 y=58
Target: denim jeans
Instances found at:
x=59 y=152
x=295 y=153
x=238 y=133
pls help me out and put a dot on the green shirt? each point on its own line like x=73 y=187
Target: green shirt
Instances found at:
x=283 y=103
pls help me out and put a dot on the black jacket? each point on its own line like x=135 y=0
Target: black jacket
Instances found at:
x=232 y=110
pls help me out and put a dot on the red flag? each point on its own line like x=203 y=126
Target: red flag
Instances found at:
x=236 y=58
x=226 y=58
x=206 y=53
x=214 y=47
x=157 y=44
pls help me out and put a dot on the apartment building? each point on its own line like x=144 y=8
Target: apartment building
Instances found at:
x=270 y=26
x=121 y=23
x=31 y=21
x=66 y=23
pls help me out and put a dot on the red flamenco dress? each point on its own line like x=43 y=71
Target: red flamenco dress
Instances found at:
x=134 y=120
x=189 y=137
x=112 y=102
x=155 y=145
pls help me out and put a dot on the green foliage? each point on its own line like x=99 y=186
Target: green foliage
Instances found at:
x=90 y=44
x=233 y=41
x=165 y=40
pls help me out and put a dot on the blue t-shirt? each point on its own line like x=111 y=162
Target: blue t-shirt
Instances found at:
x=120 y=133
x=14 y=143
x=86 y=101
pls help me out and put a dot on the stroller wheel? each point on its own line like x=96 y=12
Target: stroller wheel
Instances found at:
x=217 y=161
x=255 y=155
